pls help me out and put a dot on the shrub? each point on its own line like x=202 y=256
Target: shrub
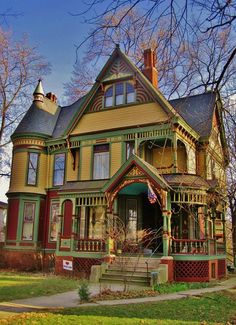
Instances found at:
x=83 y=291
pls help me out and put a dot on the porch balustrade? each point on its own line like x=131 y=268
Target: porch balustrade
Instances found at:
x=188 y=246
x=196 y=246
x=91 y=245
x=81 y=245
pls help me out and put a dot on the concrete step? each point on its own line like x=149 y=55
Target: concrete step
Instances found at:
x=138 y=282
x=126 y=275
x=128 y=272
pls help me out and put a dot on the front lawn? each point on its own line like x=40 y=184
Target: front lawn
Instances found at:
x=25 y=285
x=216 y=308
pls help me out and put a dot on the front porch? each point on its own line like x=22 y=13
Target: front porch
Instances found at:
x=139 y=213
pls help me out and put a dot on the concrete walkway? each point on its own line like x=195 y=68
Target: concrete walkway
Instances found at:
x=71 y=299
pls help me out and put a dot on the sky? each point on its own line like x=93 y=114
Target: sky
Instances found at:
x=54 y=31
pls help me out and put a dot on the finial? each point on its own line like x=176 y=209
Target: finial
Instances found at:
x=39 y=92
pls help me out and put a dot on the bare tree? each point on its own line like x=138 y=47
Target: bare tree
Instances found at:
x=185 y=65
x=20 y=65
x=182 y=21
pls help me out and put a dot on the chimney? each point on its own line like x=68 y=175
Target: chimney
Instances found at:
x=149 y=69
x=52 y=97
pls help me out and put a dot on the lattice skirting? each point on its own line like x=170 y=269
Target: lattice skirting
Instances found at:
x=82 y=266
x=191 y=271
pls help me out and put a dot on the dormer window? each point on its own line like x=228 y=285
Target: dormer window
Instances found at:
x=120 y=93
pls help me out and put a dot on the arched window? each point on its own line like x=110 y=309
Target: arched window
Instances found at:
x=120 y=93
x=109 y=97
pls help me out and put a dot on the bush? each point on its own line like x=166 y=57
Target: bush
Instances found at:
x=83 y=291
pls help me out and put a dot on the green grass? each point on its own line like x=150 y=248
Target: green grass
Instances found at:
x=26 y=285
x=215 y=308
x=180 y=286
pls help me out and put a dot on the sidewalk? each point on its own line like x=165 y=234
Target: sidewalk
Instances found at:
x=71 y=299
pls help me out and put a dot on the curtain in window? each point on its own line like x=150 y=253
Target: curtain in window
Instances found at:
x=101 y=162
x=28 y=221
x=54 y=221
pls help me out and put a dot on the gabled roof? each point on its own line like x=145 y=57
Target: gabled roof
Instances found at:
x=155 y=93
x=197 y=111
x=148 y=170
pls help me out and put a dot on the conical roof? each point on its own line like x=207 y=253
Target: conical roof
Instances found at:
x=39 y=88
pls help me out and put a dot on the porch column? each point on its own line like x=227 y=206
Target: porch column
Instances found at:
x=175 y=162
x=109 y=243
x=166 y=214
x=213 y=217
x=224 y=231
x=207 y=230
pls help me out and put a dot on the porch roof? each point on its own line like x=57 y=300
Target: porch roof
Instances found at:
x=179 y=180
x=83 y=186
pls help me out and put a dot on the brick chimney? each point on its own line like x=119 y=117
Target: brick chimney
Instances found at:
x=52 y=97
x=149 y=69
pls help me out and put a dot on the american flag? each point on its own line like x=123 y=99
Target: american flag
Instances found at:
x=151 y=194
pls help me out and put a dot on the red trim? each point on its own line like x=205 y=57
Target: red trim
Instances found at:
x=67 y=213
x=12 y=218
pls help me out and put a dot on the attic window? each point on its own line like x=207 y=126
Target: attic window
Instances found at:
x=119 y=94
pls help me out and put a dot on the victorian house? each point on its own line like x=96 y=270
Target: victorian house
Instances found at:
x=120 y=172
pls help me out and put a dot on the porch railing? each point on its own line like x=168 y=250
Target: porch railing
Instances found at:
x=196 y=246
x=188 y=246
x=91 y=245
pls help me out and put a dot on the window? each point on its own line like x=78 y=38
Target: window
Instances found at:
x=59 y=169
x=54 y=221
x=101 y=162
x=129 y=149
x=32 y=168
x=119 y=94
x=130 y=93
x=28 y=220
x=109 y=97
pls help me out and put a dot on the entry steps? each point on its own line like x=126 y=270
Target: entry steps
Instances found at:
x=130 y=270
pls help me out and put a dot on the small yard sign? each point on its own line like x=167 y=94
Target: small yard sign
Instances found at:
x=67 y=265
